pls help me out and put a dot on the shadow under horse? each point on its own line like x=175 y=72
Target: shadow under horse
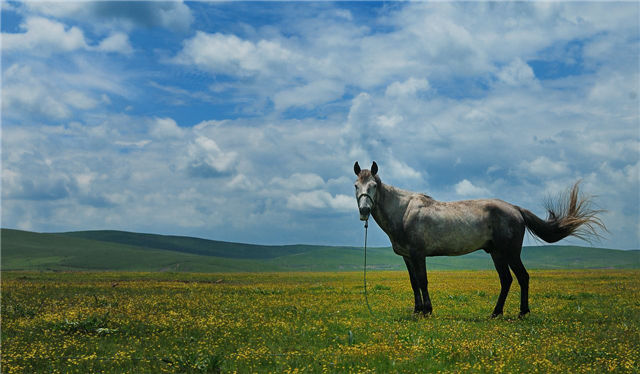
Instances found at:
x=419 y=227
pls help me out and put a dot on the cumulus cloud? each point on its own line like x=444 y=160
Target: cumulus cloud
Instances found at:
x=43 y=36
x=116 y=42
x=79 y=100
x=401 y=171
x=320 y=200
x=517 y=73
x=543 y=167
x=38 y=91
x=242 y=182
x=174 y=15
x=410 y=87
x=24 y=92
x=19 y=187
x=51 y=185
x=206 y=160
x=299 y=181
x=308 y=96
x=441 y=97
x=139 y=144
x=389 y=122
x=165 y=128
x=228 y=54
x=466 y=189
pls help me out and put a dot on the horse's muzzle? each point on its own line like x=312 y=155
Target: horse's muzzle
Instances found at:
x=364 y=213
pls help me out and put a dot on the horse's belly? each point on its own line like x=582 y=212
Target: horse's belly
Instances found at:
x=458 y=244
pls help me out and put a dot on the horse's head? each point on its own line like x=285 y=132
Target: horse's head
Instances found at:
x=366 y=188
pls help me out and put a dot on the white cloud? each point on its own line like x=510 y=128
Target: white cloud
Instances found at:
x=320 y=200
x=410 y=87
x=437 y=87
x=389 y=122
x=308 y=96
x=79 y=100
x=543 y=167
x=174 y=15
x=344 y=13
x=116 y=42
x=43 y=36
x=50 y=185
x=242 y=182
x=401 y=171
x=228 y=54
x=466 y=188
x=432 y=40
x=208 y=123
x=165 y=128
x=299 y=181
x=205 y=159
x=139 y=144
x=5 y=6
x=25 y=93
x=361 y=109
x=614 y=91
x=517 y=73
x=105 y=99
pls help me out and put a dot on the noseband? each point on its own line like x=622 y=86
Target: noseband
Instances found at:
x=370 y=198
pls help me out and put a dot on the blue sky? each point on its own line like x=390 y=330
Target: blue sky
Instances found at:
x=242 y=121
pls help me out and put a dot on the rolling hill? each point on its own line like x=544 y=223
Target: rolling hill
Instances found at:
x=119 y=250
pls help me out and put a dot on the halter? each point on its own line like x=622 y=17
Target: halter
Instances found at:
x=370 y=198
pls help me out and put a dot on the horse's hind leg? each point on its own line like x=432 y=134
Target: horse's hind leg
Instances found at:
x=515 y=263
x=502 y=266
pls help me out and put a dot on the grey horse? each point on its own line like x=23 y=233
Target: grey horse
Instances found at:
x=419 y=227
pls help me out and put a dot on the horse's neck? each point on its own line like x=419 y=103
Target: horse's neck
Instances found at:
x=388 y=211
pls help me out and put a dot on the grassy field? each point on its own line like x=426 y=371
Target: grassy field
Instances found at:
x=581 y=321
x=118 y=250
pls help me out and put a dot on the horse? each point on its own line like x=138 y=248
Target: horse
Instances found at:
x=419 y=227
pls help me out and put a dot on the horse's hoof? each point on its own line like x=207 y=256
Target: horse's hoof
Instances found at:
x=523 y=314
x=495 y=315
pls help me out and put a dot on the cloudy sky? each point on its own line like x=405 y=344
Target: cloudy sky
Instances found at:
x=242 y=121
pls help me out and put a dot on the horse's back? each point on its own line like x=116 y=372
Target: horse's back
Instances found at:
x=461 y=227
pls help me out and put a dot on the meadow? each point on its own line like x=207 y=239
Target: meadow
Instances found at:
x=128 y=251
x=582 y=321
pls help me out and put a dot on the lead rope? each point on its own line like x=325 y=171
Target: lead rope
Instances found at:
x=366 y=295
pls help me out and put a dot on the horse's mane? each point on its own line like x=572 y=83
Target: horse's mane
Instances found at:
x=425 y=197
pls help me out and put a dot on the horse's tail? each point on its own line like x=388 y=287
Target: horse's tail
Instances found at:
x=568 y=214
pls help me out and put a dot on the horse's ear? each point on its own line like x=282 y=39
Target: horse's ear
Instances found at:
x=356 y=168
x=374 y=168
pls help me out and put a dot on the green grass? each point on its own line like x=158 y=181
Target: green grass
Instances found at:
x=32 y=251
x=116 y=250
x=582 y=321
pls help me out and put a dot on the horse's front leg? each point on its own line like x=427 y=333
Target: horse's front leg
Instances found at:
x=414 y=284
x=420 y=264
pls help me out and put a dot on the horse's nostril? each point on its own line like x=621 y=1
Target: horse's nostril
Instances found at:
x=365 y=211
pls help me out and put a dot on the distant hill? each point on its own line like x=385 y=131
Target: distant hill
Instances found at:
x=120 y=250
